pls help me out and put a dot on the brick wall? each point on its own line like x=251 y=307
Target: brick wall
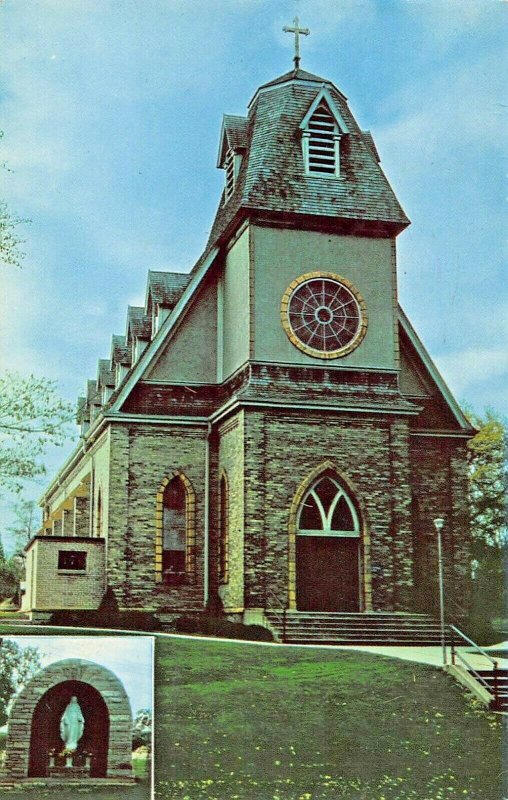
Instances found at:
x=51 y=588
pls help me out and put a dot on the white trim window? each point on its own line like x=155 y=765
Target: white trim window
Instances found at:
x=327 y=510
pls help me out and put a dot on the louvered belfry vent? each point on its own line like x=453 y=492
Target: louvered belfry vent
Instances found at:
x=229 y=166
x=322 y=143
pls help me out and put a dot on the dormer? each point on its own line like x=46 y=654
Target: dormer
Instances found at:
x=120 y=361
x=83 y=415
x=138 y=332
x=233 y=144
x=93 y=400
x=105 y=380
x=322 y=129
x=163 y=290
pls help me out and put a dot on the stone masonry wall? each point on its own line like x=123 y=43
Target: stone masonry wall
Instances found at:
x=440 y=483
x=141 y=456
x=372 y=453
x=112 y=692
x=231 y=461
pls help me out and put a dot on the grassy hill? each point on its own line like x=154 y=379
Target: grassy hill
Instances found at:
x=247 y=722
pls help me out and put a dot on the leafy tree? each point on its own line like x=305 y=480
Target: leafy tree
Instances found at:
x=17 y=666
x=25 y=523
x=488 y=459
x=9 y=576
x=488 y=471
x=142 y=729
x=32 y=417
x=10 y=242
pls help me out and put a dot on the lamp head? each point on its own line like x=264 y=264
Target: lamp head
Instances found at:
x=439 y=523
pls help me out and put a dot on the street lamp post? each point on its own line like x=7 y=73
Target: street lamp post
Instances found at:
x=438 y=524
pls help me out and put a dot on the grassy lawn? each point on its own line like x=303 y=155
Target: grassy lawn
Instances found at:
x=246 y=722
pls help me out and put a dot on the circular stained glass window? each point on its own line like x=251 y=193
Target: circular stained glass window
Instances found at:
x=324 y=315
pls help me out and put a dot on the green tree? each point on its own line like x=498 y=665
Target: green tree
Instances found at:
x=10 y=242
x=17 y=666
x=9 y=576
x=488 y=461
x=142 y=729
x=32 y=417
x=26 y=522
x=488 y=472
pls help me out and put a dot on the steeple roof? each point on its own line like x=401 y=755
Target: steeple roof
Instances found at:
x=294 y=75
x=272 y=175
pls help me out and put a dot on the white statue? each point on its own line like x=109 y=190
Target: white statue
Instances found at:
x=72 y=725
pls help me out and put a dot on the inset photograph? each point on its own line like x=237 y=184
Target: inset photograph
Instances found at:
x=76 y=712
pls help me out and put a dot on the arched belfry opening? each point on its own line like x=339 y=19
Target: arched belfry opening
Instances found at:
x=45 y=737
x=328 y=546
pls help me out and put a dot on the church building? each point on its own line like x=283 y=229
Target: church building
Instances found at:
x=268 y=432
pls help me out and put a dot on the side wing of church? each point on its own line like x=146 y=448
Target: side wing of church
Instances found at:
x=269 y=431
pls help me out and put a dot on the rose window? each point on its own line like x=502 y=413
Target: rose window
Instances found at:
x=323 y=315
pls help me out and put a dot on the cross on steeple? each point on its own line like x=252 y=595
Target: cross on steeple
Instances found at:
x=297 y=32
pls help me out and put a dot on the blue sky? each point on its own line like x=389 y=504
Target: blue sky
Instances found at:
x=112 y=112
x=129 y=657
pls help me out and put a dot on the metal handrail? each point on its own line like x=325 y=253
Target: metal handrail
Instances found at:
x=282 y=619
x=476 y=646
x=495 y=665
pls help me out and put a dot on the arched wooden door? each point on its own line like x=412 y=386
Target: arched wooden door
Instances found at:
x=328 y=557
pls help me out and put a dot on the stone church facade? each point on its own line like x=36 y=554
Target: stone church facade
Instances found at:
x=269 y=431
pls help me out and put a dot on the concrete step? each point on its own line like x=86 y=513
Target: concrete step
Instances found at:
x=309 y=627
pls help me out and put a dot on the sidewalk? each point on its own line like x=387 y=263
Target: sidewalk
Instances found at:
x=432 y=655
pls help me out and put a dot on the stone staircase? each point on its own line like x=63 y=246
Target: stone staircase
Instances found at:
x=370 y=628
x=499 y=683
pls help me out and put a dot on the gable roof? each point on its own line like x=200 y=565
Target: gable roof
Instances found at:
x=105 y=375
x=324 y=95
x=432 y=373
x=165 y=288
x=139 y=324
x=234 y=136
x=120 y=352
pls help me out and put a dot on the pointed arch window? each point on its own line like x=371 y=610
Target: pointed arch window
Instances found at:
x=327 y=510
x=223 y=530
x=174 y=537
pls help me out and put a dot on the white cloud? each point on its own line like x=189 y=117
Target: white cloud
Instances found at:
x=465 y=369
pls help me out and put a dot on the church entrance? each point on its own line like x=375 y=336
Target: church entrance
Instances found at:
x=327 y=550
x=327 y=574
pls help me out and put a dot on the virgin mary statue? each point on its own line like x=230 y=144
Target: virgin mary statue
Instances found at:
x=72 y=725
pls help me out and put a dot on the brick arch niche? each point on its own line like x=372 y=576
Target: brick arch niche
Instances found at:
x=33 y=726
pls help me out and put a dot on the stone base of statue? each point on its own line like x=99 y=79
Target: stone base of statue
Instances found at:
x=69 y=765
